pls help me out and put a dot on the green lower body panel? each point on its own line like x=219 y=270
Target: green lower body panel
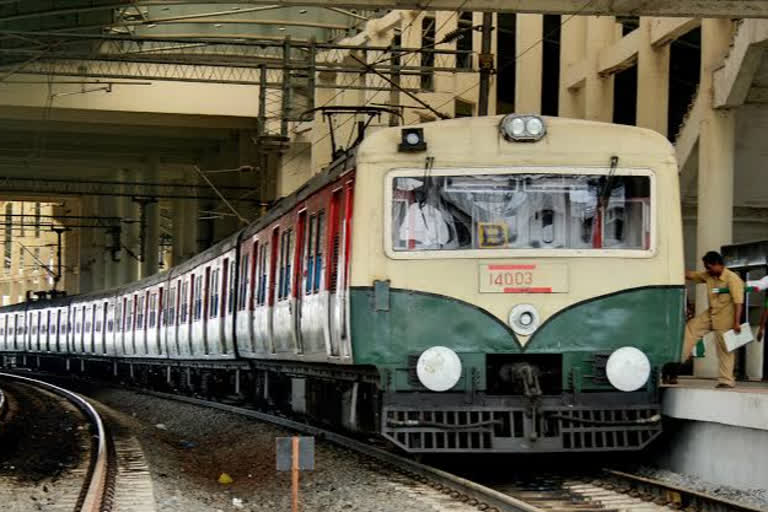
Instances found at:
x=391 y=327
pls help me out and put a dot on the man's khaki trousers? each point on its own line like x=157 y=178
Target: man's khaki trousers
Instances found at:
x=695 y=329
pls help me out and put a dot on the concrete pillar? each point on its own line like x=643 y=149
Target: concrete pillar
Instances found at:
x=151 y=239
x=108 y=207
x=572 y=45
x=177 y=231
x=91 y=261
x=598 y=90
x=714 y=225
x=530 y=28
x=128 y=268
x=652 y=81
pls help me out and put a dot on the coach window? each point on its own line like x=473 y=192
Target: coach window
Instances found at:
x=231 y=292
x=286 y=242
x=264 y=265
x=119 y=312
x=245 y=274
x=184 y=311
x=111 y=318
x=152 y=310
x=198 y=297
x=140 y=304
x=316 y=248
x=213 y=295
x=170 y=317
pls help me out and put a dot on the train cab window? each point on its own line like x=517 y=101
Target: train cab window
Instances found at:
x=521 y=211
x=198 y=297
x=152 y=310
x=213 y=295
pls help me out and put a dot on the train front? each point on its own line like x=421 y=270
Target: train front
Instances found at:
x=518 y=282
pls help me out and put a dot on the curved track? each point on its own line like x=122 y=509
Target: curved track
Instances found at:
x=608 y=490
x=94 y=495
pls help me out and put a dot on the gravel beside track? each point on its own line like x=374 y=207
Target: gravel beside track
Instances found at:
x=43 y=452
x=188 y=447
x=754 y=497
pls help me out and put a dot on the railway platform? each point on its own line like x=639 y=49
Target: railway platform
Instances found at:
x=719 y=434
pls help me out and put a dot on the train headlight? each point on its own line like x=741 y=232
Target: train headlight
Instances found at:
x=524 y=319
x=516 y=128
x=438 y=368
x=628 y=369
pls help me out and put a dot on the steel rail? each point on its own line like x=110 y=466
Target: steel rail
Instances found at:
x=687 y=499
x=96 y=481
x=437 y=478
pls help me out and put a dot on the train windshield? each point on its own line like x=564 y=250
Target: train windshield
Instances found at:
x=520 y=211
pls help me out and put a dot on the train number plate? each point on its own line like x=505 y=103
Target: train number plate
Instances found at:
x=523 y=278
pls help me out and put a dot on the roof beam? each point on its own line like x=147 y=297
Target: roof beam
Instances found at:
x=733 y=81
x=661 y=8
x=666 y=30
x=619 y=56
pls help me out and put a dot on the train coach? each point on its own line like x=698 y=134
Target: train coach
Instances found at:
x=495 y=284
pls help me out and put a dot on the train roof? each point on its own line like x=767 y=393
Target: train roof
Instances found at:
x=330 y=174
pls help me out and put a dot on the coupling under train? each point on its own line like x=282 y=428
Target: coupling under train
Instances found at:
x=493 y=284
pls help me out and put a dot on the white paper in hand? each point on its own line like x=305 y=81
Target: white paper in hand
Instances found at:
x=734 y=341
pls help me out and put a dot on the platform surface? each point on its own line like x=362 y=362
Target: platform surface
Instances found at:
x=746 y=405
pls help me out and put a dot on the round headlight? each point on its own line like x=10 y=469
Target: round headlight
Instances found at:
x=412 y=139
x=438 y=368
x=524 y=319
x=516 y=127
x=628 y=369
x=534 y=126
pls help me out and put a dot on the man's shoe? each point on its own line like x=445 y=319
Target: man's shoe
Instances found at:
x=728 y=386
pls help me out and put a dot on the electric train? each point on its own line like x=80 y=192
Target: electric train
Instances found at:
x=490 y=284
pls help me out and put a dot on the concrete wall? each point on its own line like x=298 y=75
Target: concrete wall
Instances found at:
x=719 y=453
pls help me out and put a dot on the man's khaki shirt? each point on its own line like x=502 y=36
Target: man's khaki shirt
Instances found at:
x=721 y=305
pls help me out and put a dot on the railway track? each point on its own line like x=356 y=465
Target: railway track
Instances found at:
x=96 y=490
x=606 y=490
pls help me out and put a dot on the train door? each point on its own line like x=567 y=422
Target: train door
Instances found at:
x=47 y=330
x=337 y=269
x=160 y=319
x=197 y=335
x=262 y=296
x=243 y=319
x=142 y=306
x=130 y=325
x=213 y=322
x=314 y=304
x=282 y=317
x=271 y=284
x=57 y=331
x=120 y=326
x=204 y=304
x=297 y=288
x=230 y=294
x=185 y=301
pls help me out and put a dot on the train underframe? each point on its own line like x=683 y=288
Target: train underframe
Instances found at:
x=349 y=398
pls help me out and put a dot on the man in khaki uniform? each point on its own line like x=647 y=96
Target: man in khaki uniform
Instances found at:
x=724 y=313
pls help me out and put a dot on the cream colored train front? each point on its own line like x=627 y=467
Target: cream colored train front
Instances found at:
x=498 y=266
